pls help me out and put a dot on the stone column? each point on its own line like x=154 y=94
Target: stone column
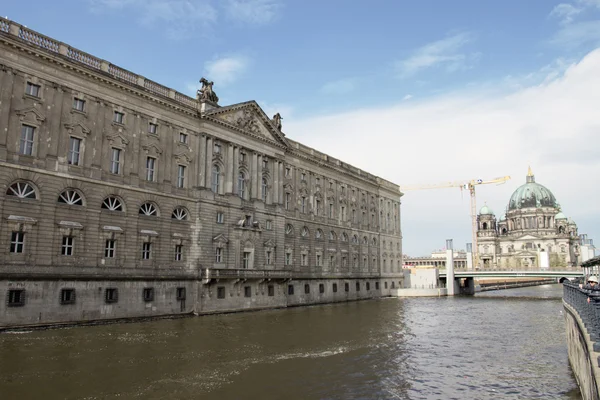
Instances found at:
x=208 y=163
x=229 y=170
x=254 y=172
x=450 y=268
x=201 y=163
x=259 y=176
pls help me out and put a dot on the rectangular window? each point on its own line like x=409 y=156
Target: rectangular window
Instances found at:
x=288 y=258
x=268 y=258
x=118 y=117
x=183 y=138
x=220 y=217
x=288 y=171
x=271 y=290
x=178 y=252
x=148 y=294
x=393 y=285
x=290 y=290
x=318 y=260
x=368 y=285
x=344 y=262
x=67 y=245
x=346 y=287
x=303 y=176
x=330 y=210
x=150 y=164
x=306 y=288
x=321 y=288
x=74 y=150
x=115 y=161
x=180 y=176
x=32 y=89
x=111 y=295
x=265 y=164
x=343 y=213
x=220 y=292
x=334 y=288
x=146 y=250
x=218 y=255
x=242 y=157
x=247 y=291
x=304 y=258
x=358 y=286
x=180 y=293
x=377 y=285
x=26 y=143
x=109 y=248
x=17 y=242
x=152 y=128
x=287 y=200
x=331 y=261
x=269 y=225
x=217 y=148
x=318 y=206
x=15 y=297
x=246 y=260
x=78 y=104
x=354 y=216
x=303 y=205
x=330 y=185
x=67 y=296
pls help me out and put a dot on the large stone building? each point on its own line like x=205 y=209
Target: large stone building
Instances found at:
x=533 y=232
x=124 y=198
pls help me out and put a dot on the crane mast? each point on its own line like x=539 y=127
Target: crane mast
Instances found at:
x=464 y=185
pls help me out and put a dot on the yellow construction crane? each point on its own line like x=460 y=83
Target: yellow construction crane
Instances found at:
x=463 y=185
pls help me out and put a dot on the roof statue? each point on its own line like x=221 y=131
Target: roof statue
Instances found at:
x=277 y=121
x=206 y=93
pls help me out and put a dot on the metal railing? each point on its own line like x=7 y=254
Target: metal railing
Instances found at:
x=588 y=310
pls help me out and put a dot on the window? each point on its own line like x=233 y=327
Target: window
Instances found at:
x=17 y=242
x=242 y=157
x=368 y=286
x=15 y=297
x=109 y=248
x=304 y=257
x=152 y=128
x=246 y=260
x=321 y=288
x=377 y=285
x=271 y=290
x=385 y=285
x=303 y=176
x=334 y=288
x=111 y=295
x=343 y=213
x=264 y=190
x=330 y=210
x=318 y=206
x=318 y=260
x=393 y=285
x=330 y=185
x=22 y=190
x=343 y=189
x=74 y=150
x=217 y=148
x=268 y=256
x=215 y=179
x=344 y=261
x=178 y=252
x=183 y=138
x=289 y=229
x=70 y=197
x=26 y=143
x=344 y=237
x=317 y=181
x=269 y=225
x=288 y=171
x=358 y=286
x=247 y=291
x=288 y=258
x=118 y=117
x=148 y=294
x=148 y=209
x=346 y=287
x=150 y=164
x=306 y=288
x=180 y=293
x=287 y=200
x=78 y=104
x=146 y=250
x=67 y=296
x=290 y=290
x=179 y=214
x=115 y=161
x=265 y=163
x=331 y=261
x=220 y=217
x=242 y=185
x=32 y=89
x=67 y=246
x=332 y=235
x=318 y=234
x=303 y=204
x=220 y=292
x=304 y=232
x=218 y=255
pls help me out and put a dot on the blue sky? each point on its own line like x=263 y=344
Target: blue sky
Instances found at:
x=436 y=90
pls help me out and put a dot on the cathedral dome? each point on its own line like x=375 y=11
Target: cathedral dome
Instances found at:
x=531 y=195
x=560 y=216
x=485 y=210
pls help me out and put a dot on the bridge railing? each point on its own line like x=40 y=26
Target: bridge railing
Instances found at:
x=588 y=310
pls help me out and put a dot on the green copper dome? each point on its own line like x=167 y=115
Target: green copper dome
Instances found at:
x=532 y=194
x=485 y=210
x=560 y=216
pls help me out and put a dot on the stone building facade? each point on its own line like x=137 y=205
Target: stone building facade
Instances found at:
x=533 y=232
x=124 y=198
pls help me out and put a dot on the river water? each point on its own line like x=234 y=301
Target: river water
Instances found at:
x=507 y=344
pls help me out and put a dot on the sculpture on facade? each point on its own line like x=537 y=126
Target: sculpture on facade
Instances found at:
x=277 y=121
x=206 y=93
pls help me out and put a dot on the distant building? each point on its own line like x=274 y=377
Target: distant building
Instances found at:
x=533 y=232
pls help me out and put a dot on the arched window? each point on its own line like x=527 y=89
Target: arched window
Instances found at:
x=264 y=190
x=374 y=242
x=179 y=214
x=112 y=203
x=355 y=239
x=484 y=225
x=148 y=209
x=332 y=235
x=365 y=240
x=319 y=234
x=242 y=185
x=70 y=197
x=289 y=229
x=344 y=237
x=216 y=184
x=22 y=190
x=304 y=232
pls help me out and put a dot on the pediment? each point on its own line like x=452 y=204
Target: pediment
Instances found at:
x=152 y=148
x=526 y=253
x=78 y=126
x=220 y=238
x=249 y=118
x=528 y=237
x=118 y=139
x=183 y=158
x=31 y=114
x=269 y=243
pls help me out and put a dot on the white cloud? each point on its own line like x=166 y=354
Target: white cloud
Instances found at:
x=179 y=18
x=255 y=12
x=566 y=12
x=407 y=97
x=574 y=33
x=342 y=86
x=466 y=135
x=226 y=70
x=446 y=52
